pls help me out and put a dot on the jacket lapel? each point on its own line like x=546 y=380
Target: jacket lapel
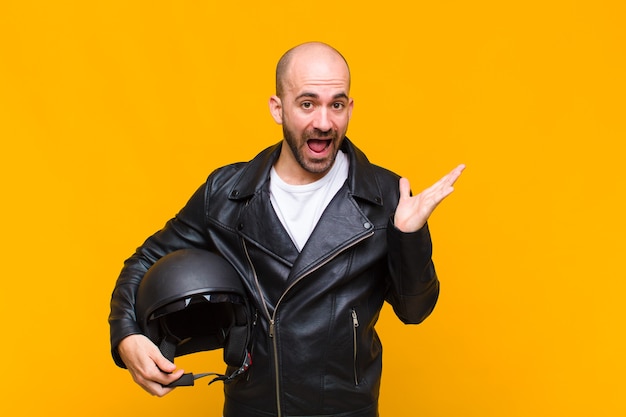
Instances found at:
x=260 y=225
x=342 y=224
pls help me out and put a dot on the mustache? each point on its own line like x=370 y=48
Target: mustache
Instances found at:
x=320 y=134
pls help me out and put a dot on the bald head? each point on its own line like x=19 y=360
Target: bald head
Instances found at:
x=311 y=52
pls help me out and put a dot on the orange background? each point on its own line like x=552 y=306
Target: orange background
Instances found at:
x=112 y=113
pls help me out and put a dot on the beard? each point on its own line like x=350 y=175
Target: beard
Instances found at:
x=313 y=165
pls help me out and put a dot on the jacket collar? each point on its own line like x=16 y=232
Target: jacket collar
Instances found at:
x=362 y=181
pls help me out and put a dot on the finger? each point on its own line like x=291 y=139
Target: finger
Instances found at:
x=445 y=183
x=156 y=388
x=455 y=174
x=155 y=381
x=167 y=378
x=162 y=362
x=165 y=371
x=451 y=179
x=156 y=368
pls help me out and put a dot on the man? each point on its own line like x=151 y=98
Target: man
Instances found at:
x=320 y=237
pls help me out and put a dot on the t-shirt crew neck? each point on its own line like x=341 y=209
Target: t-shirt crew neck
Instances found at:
x=299 y=207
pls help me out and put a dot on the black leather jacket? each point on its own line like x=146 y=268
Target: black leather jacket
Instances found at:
x=315 y=351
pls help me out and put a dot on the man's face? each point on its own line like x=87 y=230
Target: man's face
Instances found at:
x=314 y=111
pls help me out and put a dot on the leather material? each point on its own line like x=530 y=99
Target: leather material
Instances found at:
x=316 y=361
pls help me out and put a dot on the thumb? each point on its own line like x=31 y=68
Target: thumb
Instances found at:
x=163 y=363
x=405 y=188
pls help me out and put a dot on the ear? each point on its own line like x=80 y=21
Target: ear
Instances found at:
x=276 y=109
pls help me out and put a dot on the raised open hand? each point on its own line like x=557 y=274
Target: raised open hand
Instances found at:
x=413 y=211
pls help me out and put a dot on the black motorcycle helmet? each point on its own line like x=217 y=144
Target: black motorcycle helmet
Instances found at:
x=192 y=300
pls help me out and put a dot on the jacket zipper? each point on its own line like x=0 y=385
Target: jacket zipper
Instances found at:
x=355 y=324
x=272 y=317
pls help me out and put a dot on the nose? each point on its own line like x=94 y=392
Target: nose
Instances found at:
x=322 y=120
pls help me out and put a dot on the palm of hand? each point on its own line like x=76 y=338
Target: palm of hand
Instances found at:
x=413 y=212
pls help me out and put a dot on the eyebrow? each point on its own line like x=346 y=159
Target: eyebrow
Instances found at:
x=313 y=95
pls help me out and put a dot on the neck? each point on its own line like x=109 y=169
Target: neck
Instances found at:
x=290 y=171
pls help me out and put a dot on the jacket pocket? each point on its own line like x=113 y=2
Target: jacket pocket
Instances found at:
x=355 y=326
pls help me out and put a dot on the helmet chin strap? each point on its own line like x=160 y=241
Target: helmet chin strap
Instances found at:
x=188 y=380
x=168 y=349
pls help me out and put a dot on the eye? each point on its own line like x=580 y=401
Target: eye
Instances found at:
x=338 y=105
x=307 y=105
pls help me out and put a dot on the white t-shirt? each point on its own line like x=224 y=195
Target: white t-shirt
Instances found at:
x=299 y=207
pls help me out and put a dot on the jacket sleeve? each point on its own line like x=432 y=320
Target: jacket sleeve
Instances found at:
x=414 y=286
x=185 y=230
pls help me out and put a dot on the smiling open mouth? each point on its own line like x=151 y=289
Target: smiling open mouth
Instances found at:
x=318 y=145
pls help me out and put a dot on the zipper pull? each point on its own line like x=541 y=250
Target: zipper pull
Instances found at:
x=355 y=319
x=271 y=328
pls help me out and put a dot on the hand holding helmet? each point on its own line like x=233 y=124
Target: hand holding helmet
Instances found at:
x=189 y=301
x=148 y=367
